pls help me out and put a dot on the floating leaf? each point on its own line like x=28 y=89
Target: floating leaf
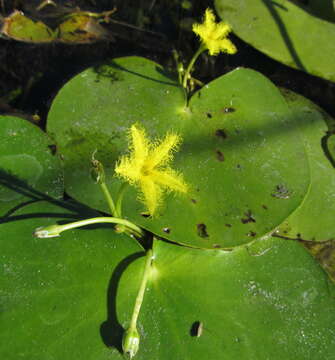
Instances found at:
x=19 y=27
x=241 y=172
x=29 y=168
x=72 y=297
x=283 y=31
x=81 y=27
x=314 y=219
x=57 y=295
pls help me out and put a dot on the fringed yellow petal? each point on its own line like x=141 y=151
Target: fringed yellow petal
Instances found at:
x=146 y=167
x=162 y=153
x=222 y=30
x=125 y=169
x=152 y=194
x=227 y=46
x=209 y=22
x=139 y=144
x=170 y=180
x=214 y=35
x=224 y=45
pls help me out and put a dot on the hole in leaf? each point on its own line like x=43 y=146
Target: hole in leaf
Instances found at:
x=167 y=230
x=196 y=329
x=145 y=214
x=228 y=110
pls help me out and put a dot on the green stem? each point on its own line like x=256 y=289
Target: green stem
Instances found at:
x=109 y=198
x=118 y=205
x=140 y=295
x=131 y=337
x=190 y=65
x=55 y=230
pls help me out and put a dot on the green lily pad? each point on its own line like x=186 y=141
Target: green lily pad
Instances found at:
x=283 y=31
x=314 y=219
x=239 y=152
x=28 y=168
x=57 y=295
x=72 y=296
x=267 y=301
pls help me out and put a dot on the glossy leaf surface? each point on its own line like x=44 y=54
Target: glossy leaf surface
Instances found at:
x=29 y=169
x=72 y=296
x=284 y=31
x=57 y=295
x=241 y=172
x=314 y=219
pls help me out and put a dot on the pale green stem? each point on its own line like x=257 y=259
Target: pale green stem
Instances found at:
x=118 y=205
x=109 y=198
x=131 y=337
x=190 y=65
x=140 y=295
x=55 y=230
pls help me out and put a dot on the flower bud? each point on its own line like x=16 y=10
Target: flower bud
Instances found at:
x=47 y=231
x=97 y=171
x=130 y=342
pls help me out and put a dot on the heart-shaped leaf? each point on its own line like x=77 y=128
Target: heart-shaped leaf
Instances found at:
x=239 y=152
x=29 y=168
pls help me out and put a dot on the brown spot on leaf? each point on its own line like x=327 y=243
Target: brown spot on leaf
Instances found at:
x=194 y=201
x=252 y=233
x=202 y=231
x=145 y=214
x=220 y=133
x=264 y=207
x=209 y=115
x=53 y=149
x=248 y=218
x=228 y=225
x=219 y=155
x=216 y=246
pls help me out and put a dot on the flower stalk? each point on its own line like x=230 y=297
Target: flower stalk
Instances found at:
x=56 y=230
x=131 y=338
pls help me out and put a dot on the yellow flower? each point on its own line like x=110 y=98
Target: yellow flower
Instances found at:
x=147 y=167
x=214 y=35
